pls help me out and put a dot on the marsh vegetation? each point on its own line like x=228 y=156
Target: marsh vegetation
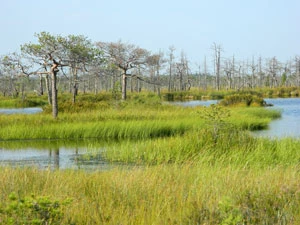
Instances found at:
x=189 y=165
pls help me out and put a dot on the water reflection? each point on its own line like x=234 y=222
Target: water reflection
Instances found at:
x=54 y=158
x=87 y=154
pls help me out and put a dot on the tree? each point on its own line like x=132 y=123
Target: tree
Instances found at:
x=77 y=52
x=171 y=64
x=155 y=62
x=54 y=53
x=8 y=77
x=297 y=70
x=15 y=72
x=217 y=60
x=126 y=57
x=273 y=67
x=229 y=69
x=47 y=54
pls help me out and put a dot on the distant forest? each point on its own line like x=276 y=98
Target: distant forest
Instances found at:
x=76 y=64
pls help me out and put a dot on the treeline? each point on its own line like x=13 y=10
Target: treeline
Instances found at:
x=74 y=63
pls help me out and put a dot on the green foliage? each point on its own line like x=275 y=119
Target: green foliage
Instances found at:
x=188 y=193
x=116 y=91
x=215 y=118
x=17 y=102
x=229 y=214
x=242 y=99
x=268 y=208
x=31 y=210
x=215 y=114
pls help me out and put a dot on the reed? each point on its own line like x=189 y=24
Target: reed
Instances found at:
x=131 y=121
x=236 y=148
x=190 y=193
x=185 y=168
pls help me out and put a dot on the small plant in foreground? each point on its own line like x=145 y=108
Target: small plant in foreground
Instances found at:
x=31 y=210
x=215 y=116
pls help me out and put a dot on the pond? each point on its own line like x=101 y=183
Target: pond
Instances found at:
x=286 y=126
x=31 y=110
x=44 y=154
x=86 y=155
x=196 y=103
x=289 y=123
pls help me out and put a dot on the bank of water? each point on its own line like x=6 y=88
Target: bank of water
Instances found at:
x=286 y=126
x=82 y=156
x=289 y=123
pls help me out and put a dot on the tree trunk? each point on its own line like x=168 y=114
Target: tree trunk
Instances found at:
x=74 y=92
x=75 y=85
x=48 y=90
x=41 y=85
x=54 y=72
x=124 y=85
x=158 y=81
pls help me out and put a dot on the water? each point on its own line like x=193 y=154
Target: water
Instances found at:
x=32 y=110
x=56 y=158
x=289 y=123
x=79 y=155
x=286 y=126
x=196 y=103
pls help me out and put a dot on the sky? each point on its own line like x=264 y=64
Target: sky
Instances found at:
x=245 y=29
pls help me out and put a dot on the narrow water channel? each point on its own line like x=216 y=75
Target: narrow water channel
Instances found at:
x=58 y=158
x=53 y=155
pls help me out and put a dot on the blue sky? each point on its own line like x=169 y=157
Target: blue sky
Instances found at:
x=245 y=29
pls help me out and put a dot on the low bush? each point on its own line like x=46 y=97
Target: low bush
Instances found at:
x=39 y=210
x=242 y=100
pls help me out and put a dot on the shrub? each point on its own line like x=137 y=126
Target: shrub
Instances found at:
x=242 y=99
x=31 y=210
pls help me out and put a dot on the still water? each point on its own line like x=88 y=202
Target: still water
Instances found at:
x=289 y=123
x=286 y=126
x=31 y=110
x=81 y=156
x=63 y=158
x=53 y=155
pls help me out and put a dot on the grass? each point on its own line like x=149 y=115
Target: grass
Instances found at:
x=122 y=122
x=43 y=127
x=188 y=168
x=191 y=193
x=30 y=101
x=235 y=148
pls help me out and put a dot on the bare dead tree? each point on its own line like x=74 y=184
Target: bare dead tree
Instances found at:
x=253 y=68
x=273 y=67
x=126 y=57
x=217 y=61
x=171 y=65
x=297 y=70
x=205 y=73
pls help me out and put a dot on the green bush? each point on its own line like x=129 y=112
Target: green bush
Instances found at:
x=242 y=99
x=31 y=210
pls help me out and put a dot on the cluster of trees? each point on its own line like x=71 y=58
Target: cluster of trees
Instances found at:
x=72 y=63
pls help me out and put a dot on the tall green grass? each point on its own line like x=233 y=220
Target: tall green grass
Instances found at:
x=22 y=102
x=235 y=148
x=190 y=193
x=186 y=169
x=139 y=122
